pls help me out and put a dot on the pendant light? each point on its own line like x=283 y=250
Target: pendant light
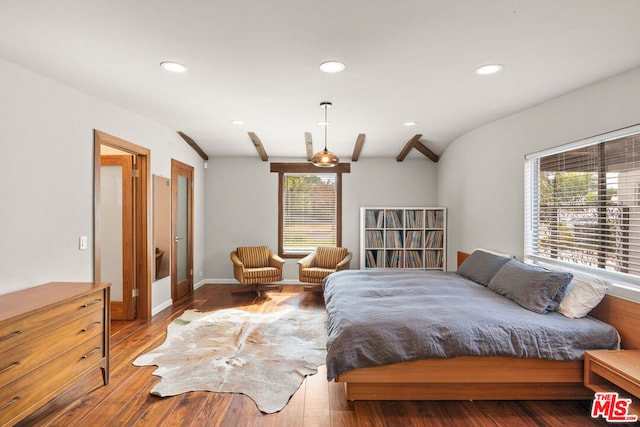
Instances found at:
x=325 y=158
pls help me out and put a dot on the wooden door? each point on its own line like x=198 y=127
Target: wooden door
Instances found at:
x=181 y=229
x=117 y=233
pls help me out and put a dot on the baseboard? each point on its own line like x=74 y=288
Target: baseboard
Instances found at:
x=157 y=309
x=200 y=283
x=235 y=282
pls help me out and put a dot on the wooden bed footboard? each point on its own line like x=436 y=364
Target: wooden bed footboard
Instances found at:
x=491 y=378
x=468 y=378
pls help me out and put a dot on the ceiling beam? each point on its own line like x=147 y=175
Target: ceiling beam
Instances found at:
x=407 y=147
x=424 y=150
x=415 y=143
x=258 y=144
x=309 y=144
x=357 y=148
x=193 y=145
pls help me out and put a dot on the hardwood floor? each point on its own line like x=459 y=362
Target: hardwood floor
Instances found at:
x=126 y=401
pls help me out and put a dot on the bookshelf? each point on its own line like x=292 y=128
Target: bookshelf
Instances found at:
x=403 y=237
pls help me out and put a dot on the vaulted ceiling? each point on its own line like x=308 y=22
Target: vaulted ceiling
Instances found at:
x=258 y=62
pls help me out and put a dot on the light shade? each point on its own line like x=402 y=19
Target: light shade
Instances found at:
x=325 y=159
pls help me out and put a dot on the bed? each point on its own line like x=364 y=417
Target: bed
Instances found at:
x=458 y=371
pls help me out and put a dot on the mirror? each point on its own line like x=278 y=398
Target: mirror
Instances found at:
x=162 y=225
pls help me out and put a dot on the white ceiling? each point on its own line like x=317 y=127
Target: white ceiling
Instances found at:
x=257 y=61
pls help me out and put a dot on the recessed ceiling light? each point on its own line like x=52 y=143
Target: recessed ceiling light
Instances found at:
x=489 y=69
x=174 y=67
x=410 y=123
x=321 y=123
x=237 y=122
x=332 y=66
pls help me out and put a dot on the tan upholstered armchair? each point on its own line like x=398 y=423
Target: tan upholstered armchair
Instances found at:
x=321 y=263
x=256 y=265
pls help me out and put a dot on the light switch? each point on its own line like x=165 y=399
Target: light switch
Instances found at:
x=83 y=243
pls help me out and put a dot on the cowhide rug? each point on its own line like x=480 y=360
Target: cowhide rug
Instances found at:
x=264 y=356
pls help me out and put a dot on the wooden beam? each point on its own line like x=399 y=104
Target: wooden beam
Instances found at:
x=424 y=150
x=407 y=147
x=309 y=144
x=415 y=143
x=309 y=168
x=193 y=145
x=258 y=144
x=357 y=147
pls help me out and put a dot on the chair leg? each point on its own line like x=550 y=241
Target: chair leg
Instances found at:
x=268 y=287
x=244 y=289
x=257 y=288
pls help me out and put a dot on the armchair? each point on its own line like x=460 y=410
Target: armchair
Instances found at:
x=319 y=264
x=256 y=265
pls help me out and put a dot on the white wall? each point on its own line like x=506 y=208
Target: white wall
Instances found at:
x=46 y=136
x=481 y=174
x=242 y=203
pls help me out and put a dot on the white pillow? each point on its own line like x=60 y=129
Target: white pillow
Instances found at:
x=583 y=293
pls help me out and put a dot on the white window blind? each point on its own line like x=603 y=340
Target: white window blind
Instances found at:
x=309 y=211
x=583 y=205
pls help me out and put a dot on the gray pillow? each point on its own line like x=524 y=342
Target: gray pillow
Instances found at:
x=481 y=266
x=533 y=287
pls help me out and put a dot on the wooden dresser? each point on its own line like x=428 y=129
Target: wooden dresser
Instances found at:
x=51 y=336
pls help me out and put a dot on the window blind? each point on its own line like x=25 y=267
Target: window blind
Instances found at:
x=309 y=211
x=583 y=205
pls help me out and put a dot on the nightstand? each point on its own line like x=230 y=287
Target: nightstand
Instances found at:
x=614 y=370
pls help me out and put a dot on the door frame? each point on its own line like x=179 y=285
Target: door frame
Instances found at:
x=125 y=309
x=179 y=168
x=142 y=217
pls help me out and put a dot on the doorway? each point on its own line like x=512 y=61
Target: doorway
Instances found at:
x=137 y=253
x=117 y=256
x=181 y=229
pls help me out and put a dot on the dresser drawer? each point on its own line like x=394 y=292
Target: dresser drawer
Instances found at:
x=29 y=390
x=15 y=332
x=29 y=355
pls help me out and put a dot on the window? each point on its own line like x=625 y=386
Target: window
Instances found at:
x=309 y=207
x=582 y=204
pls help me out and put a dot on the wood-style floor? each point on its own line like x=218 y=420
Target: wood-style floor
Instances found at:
x=127 y=401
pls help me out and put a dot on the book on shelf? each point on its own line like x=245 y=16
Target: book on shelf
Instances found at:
x=434 y=239
x=434 y=259
x=435 y=219
x=395 y=259
x=374 y=259
x=392 y=219
x=413 y=239
x=415 y=219
x=373 y=219
x=413 y=259
x=374 y=239
x=394 y=239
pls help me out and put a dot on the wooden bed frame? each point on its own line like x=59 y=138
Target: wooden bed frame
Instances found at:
x=490 y=378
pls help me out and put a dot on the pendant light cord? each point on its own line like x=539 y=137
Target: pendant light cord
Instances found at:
x=326 y=125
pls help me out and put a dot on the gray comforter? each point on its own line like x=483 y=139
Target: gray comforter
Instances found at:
x=378 y=317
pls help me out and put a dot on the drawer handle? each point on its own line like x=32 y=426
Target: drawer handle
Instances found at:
x=91 y=352
x=93 y=325
x=91 y=303
x=12 y=334
x=6 y=405
x=13 y=365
